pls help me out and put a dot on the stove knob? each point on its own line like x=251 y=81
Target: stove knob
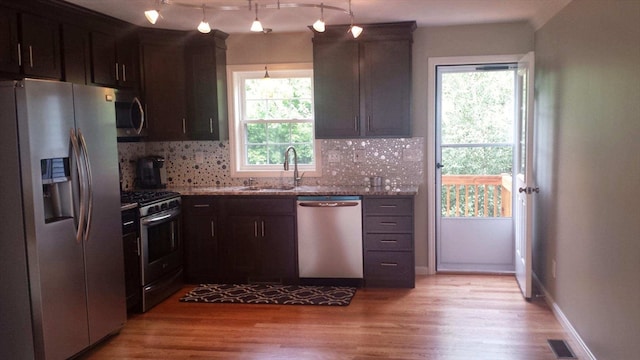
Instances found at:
x=153 y=209
x=164 y=206
x=174 y=203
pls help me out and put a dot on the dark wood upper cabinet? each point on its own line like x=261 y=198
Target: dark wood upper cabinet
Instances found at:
x=184 y=86
x=336 y=89
x=206 y=76
x=29 y=45
x=113 y=60
x=164 y=85
x=76 y=55
x=40 y=47
x=363 y=86
x=9 y=50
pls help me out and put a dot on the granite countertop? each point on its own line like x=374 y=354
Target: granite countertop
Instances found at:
x=300 y=190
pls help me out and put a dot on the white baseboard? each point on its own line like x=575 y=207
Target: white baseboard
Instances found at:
x=562 y=319
x=422 y=270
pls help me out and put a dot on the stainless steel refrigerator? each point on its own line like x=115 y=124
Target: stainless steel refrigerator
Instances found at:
x=61 y=258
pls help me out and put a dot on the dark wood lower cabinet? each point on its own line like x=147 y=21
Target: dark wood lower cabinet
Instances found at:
x=239 y=239
x=389 y=257
x=131 y=247
x=252 y=239
x=201 y=234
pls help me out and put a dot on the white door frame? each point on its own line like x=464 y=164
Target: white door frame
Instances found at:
x=431 y=137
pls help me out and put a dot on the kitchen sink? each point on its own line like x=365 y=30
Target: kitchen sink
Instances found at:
x=269 y=187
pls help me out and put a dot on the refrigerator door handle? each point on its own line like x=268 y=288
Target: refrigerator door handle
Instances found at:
x=80 y=216
x=89 y=181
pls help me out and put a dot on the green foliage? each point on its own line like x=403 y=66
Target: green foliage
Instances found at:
x=279 y=113
x=477 y=112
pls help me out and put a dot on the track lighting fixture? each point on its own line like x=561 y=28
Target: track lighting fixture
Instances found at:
x=153 y=15
x=204 y=25
x=257 y=25
x=319 y=24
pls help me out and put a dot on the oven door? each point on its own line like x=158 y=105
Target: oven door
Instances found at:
x=161 y=244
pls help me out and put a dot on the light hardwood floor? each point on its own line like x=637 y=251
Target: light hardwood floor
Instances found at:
x=445 y=317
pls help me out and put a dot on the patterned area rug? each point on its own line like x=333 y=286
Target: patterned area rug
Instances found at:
x=271 y=294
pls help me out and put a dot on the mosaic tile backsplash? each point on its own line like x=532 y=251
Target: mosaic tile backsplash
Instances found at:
x=344 y=162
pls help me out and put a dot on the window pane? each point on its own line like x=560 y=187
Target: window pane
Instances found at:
x=256 y=133
x=276 y=153
x=279 y=133
x=302 y=132
x=479 y=107
x=255 y=110
x=305 y=153
x=489 y=160
x=256 y=154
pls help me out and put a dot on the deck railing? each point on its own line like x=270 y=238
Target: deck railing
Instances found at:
x=476 y=195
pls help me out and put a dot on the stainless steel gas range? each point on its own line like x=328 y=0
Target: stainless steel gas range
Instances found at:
x=161 y=249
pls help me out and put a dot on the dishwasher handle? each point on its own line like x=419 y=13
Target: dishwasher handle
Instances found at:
x=329 y=204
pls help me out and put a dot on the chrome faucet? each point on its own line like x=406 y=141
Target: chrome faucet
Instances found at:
x=296 y=178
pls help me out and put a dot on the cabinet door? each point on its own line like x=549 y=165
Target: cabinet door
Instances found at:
x=164 y=91
x=336 y=89
x=40 y=47
x=9 y=62
x=386 y=82
x=103 y=59
x=76 y=54
x=127 y=62
x=201 y=234
x=201 y=248
x=276 y=249
x=243 y=247
x=206 y=79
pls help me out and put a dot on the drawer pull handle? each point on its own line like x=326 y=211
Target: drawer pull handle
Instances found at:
x=128 y=223
x=388 y=206
x=388 y=264
x=388 y=223
x=201 y=205
x=389 y=241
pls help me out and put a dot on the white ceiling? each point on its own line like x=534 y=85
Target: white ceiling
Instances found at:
x=424 y=12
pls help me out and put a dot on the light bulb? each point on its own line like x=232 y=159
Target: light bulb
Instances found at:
x=319 y=25
x=204 y=27
x=356 y=31
x=152 y=15
x=257 y=26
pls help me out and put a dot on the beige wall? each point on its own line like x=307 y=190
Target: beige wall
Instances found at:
x=588 y=209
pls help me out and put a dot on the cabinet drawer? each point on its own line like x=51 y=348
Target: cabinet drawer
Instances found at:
x=389 y=269
x=199 y=205
x=388 y=205
x=260 y=206
x=388 y=224
x=389 y=242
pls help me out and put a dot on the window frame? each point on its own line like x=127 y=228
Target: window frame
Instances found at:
x=237 y=74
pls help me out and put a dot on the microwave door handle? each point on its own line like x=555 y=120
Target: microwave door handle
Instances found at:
x=136 y=104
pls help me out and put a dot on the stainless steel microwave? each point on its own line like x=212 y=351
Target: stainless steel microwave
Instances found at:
x=130 y=120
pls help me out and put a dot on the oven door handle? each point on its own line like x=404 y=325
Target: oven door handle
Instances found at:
x=160 y=218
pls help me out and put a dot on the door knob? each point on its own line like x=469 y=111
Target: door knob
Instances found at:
x=529 y=190
x=439 y=166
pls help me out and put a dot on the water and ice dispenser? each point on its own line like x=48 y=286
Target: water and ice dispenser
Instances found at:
x=56 y=189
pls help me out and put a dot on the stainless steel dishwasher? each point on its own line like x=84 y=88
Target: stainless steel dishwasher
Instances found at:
x=330 y=237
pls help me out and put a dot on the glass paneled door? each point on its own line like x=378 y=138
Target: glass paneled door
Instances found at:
x=475 y=116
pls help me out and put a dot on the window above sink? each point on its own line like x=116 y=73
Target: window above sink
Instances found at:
x=269 y=114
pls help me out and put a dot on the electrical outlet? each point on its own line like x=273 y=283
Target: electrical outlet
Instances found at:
x=199 y=157
x=358 y=155
x=553 y=268
x=411 y=155
x=333 y=156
